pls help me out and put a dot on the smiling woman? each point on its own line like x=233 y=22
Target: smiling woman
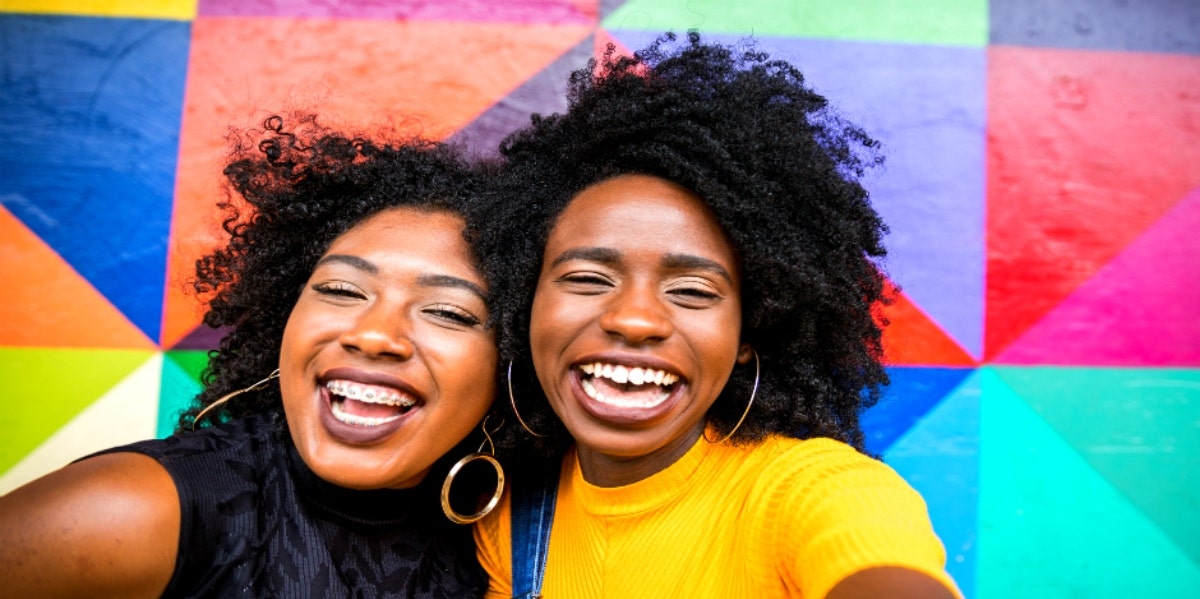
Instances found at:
x=347 y=273
x=699 y=344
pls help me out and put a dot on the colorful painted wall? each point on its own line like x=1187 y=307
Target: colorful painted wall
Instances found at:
x=1042 y=185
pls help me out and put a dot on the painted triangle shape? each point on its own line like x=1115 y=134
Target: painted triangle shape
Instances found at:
x=912 y=338
x=180 y=385
x=56 y=306
x=123 y=414
x=91 y=119
x=1136 y=427
x=384 y=77
x=1138 y=310
x=1063 y=198
x=544 y=93
x=1036 y=491
x=939 y=457
x=911 y=394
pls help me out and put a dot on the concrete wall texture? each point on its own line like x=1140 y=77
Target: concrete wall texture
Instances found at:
x=1042 y=186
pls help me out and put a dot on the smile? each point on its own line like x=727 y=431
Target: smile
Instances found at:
x=622 y=386
x=366 y=405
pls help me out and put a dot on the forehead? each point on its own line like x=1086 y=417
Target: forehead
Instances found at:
x=641 y=212
x=399 y=233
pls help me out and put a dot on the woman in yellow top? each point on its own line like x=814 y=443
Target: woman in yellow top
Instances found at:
x=699 y=344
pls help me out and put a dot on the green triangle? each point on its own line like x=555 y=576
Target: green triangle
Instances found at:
x=1140 y=428
x=44 y=389
x=942 y=22
x=180 y=384
x=1051 y=527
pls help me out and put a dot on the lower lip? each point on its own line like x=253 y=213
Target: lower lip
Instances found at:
x=358 y=435
x=618 y=415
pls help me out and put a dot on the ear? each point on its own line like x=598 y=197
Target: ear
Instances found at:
x=745 y=352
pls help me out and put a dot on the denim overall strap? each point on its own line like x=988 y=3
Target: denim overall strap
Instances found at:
x=532 y=514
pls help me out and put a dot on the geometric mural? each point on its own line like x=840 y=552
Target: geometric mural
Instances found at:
x=1042 y=186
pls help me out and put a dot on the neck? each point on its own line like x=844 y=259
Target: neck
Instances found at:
x=605 y=469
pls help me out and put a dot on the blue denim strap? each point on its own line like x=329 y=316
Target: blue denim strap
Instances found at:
x=532 y=514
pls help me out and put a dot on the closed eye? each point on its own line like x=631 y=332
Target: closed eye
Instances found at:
x=339 y=289
x=453 y=314
x=586 y=282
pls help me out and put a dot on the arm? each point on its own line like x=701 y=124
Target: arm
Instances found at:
x=890 y=583
x=104 y=527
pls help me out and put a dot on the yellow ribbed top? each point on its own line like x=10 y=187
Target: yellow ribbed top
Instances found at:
x=785 y=518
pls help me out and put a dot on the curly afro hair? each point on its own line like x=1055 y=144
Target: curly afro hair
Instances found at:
x=779 y=169
x=294 y=192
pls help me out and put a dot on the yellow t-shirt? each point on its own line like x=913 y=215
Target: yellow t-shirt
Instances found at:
x=784 y=518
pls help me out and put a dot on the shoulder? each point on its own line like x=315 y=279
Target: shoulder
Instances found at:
x=839 y=513
x=107 y=525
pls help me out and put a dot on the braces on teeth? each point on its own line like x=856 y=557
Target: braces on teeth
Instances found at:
x=367 y=394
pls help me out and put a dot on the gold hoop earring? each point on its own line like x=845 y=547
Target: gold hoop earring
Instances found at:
x=447 y=509
x=753 y=392
x=228 y=396
x=513 y=401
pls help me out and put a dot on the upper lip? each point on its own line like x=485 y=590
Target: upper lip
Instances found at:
x=371 y=377
x=630 y=361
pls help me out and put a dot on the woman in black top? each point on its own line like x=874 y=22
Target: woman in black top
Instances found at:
x=346 y=277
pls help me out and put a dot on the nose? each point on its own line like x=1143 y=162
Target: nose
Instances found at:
x=638 y=315
x=379 y=332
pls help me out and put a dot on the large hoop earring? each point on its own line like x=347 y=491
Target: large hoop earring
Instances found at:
x=447 y=509
x=753 y=392
x=513 y=401
x=228 y=396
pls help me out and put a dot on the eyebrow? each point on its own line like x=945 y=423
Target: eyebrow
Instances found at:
x=427 y=280
x=611 y=256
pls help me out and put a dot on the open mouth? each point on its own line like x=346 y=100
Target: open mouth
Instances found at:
x=366 y=405
x=623 y=386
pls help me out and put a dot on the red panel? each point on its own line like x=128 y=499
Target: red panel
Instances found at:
x=912 y=339
x=1085 y=150
x=1139 y=310
x=401 y=77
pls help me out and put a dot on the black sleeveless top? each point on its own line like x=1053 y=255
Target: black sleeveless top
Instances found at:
x=256 y=522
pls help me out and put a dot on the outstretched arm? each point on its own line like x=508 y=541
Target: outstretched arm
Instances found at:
x=104 y=527
x=889 y=583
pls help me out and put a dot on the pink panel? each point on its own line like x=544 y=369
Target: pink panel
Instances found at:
x=1139 y=310
x=509 y=11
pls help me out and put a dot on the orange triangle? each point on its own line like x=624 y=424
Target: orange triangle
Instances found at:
x=912 y=339
x=393 y=77
x=48 y=304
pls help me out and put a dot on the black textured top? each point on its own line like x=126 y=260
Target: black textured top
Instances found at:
x=256 y=522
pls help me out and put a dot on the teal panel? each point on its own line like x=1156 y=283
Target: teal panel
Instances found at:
x=939 y=456
x=180 y=384
x=1051 y=527
x=1140 y=428
x=939 y=22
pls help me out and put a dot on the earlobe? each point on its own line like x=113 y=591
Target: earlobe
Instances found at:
x=745 y=352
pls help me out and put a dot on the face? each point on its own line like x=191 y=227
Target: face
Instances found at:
x=635 y=324
x=385 y=363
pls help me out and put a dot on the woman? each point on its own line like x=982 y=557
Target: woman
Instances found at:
x=348 y=275
x=703 y=340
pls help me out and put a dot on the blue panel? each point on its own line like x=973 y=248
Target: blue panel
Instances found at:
x=913 y=392
x=90 y=115
x=939 y=457
x=1171 y=26
x=926 y=104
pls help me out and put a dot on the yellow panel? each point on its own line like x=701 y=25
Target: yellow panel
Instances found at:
x=152 y=9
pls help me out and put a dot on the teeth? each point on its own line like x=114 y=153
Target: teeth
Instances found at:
x=369 y=394
x=336 y=408
x=623 y=401
x=623 y=374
